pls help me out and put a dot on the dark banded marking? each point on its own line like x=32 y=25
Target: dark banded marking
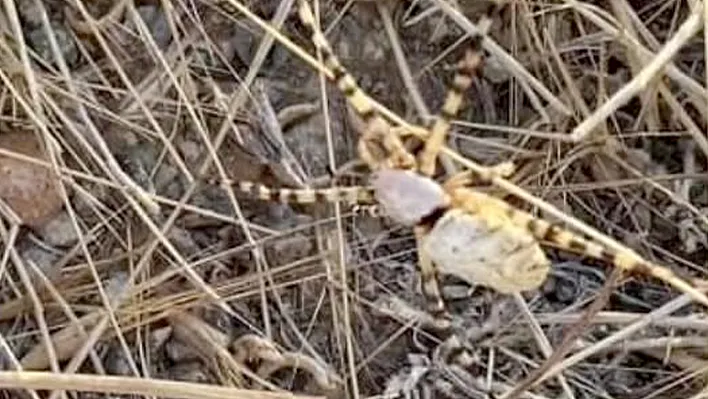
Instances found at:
x=323 y=197
x=350 y=195
x=575 y=244
x=434 y=303
x=446 y=116
x=556 y=234
x=552 y=233
x=643 y=268
x=628 y=261
x=349 y=91
x=544 y=230
x=608 y=255
x=287 y=196
x=341 y=77
x=375 y=126
x=368 y=115
x=482 y=177
x=466 y=70
x=429 y=280
x=429 y=220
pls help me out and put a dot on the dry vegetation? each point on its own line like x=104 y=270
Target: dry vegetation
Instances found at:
x=122 y=257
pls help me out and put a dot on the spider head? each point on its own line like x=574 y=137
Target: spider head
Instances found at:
x=406 y=196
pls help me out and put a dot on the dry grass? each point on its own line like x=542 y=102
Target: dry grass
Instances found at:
x=149 y=281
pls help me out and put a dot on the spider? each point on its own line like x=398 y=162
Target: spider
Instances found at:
x=461 y=231
x=381 y=147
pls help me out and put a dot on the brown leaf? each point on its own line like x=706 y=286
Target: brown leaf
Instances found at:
x=29 y=189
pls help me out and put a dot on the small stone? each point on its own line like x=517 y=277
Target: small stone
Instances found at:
x=59 y=231
x=29 y=189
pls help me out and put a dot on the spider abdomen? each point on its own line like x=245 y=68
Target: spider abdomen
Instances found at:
x=504 y=257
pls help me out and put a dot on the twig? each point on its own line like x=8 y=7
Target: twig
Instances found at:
x=687 y=30
x=567 y=344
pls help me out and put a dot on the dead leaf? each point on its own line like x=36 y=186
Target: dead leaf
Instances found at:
x=29 y=189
